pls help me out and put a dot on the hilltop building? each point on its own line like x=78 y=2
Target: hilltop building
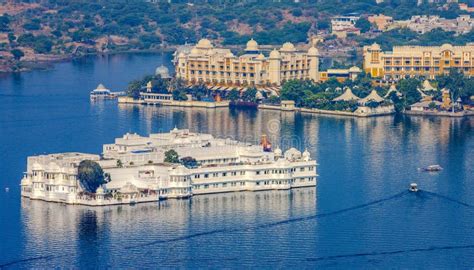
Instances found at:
x=418 y=61
x=341 y=26
x=381 y=21
x=207 y=64
x=423 y=24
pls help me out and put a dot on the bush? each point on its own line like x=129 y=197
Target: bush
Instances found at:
x=171 y=156
x=17 y=54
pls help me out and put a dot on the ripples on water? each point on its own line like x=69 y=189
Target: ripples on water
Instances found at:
x=364 y=163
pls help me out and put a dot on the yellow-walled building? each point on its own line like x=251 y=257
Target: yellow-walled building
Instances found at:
x=219 y=66
x=418 y=61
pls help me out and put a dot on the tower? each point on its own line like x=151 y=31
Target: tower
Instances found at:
x=313 y=57
x=274 y=75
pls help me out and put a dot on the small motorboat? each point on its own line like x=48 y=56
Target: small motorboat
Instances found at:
x=7 y=189
x=413 y=187
x=432 y=168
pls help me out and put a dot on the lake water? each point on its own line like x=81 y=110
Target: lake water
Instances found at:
x=365 y=168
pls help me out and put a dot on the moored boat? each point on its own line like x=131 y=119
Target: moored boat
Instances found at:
x=432 y=168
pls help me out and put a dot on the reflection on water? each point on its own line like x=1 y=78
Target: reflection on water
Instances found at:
x=84 y=233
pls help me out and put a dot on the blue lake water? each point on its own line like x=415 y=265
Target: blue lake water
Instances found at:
x=365 y=168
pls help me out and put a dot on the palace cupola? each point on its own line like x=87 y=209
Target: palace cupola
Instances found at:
x=252 y=47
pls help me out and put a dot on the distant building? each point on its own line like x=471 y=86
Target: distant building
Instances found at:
x=381 y=21
x=340 y=74
x=418 y=61
x=207 y=64
x=423 y=24
x=465 y=7
x=342 y=26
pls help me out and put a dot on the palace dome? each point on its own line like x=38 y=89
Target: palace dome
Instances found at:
x=37 y=167
x=278 y=152
x=100 y=190
x=261 y=57
x=292 y=154
x=101 y=87
x=204 y=44
x=275 y=54
x=288 y=47
x=446 y=46
x=313 y=51
x=194 y=51
x=252 y=45
x=163 y=72
x=354 y=69
x=375 y=47
x=306 y=155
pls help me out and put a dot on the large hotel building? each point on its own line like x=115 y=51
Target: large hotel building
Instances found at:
x=219 y=66
x=418 y=61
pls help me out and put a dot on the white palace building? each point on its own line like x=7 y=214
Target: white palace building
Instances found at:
x=138 y=172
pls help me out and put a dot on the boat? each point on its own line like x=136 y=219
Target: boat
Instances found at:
x=432 y=168
x=413 y=187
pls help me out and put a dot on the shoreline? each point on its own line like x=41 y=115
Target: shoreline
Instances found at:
x=27 y=66
x=440 y=114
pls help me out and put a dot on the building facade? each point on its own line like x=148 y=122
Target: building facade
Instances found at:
x=137 y=171
x=418 y=61
x=219 y=66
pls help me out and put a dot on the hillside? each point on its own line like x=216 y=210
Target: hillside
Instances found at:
x=57 y=29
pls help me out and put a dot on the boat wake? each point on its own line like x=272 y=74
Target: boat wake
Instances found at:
x=273 y=224
x=379 y=253
x=300 y=219
x=447 y=198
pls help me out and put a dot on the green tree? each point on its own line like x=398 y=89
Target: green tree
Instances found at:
x=133 y=89
x=4 y=23
x=11 y=37
x=189 y=162
x=455 y=82
x=180 y=94
x=297 y=90
x=249 y=95
x=409 y=89
x=363 y=24
x=171 y=156
x=297 y=12
x=17 y=54
x=119 y=163
x=200 y=91
x=274 y=100
x=90 y=175
x=233 y=95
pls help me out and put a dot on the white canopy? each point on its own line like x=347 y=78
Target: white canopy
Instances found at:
x=347 y=96
x=392 y=88
x=427 y=86
x=373 y=96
